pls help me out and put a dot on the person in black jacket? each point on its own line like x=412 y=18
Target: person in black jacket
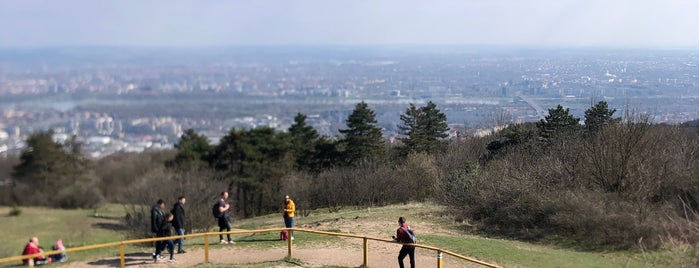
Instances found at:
x=157 y=218
x=165 y=230
x=178 y=221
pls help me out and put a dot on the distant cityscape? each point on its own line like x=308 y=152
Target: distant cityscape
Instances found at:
x=136 y=99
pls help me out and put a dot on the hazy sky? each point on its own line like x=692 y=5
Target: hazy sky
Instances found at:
x=620 y=23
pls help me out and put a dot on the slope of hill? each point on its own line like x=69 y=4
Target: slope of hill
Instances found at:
x=432 y=225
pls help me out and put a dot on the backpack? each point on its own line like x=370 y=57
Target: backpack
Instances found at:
x=284 y=235
x=214 y=210
x=409 y=236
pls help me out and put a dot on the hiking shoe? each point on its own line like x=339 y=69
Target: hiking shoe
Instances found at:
x=155 y=258
x=292 y=238
x=223 y=242
x=181 y=251
x=231 y=242
x=172 y=260
x=160 y=257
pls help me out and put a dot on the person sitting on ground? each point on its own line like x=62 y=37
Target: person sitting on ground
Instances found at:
x=33 y=247
x=61 y=256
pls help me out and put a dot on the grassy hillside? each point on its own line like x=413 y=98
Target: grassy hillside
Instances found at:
x=77 y=227
x=83 y=227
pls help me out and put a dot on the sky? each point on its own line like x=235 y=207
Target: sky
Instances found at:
x=557 y=23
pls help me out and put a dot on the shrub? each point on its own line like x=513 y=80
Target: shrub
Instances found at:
x=15 y=211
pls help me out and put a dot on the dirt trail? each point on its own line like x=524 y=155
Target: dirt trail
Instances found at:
x=346 y=254
x=379 y=256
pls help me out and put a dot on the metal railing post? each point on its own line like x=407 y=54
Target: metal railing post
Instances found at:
x=122 y=254
x=366 y=252
x=206 y=248
x=288 y=242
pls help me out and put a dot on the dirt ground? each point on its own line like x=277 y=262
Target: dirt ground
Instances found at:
x=346 y=254
x=321 y=257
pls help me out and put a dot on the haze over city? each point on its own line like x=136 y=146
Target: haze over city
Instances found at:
x=568 y=23
x=132 y=75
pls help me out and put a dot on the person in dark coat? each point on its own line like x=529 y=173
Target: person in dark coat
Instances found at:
x=165 y=230
x=157 y=219
x=178 y=221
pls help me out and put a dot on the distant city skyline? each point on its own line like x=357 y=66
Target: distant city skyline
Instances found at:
x=560 y=23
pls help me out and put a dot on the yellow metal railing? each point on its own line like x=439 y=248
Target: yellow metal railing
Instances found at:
x=122 y=245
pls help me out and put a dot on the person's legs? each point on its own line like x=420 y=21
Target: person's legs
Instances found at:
x=289 y=223
x=411 y=255
x=170 y=248
x=228 y=228
x=401 y=255
x=221 y=227
x=180 y=241
x=159 y=246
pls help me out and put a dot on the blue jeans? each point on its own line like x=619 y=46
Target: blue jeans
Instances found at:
x=180 y=240
x=289 y=223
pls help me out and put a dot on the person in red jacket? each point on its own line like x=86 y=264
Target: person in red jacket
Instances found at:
x=33 y=247
x=402 y=237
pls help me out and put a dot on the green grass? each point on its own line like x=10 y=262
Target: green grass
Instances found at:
x=76 y=227
x=84 y=227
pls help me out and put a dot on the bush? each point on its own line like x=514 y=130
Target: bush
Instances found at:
x=15 y=211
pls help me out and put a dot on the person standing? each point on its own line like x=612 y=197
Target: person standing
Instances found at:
x=178 y=221
x=157 y=219
x=402 y=236
x=289 y=209
x=222 y=217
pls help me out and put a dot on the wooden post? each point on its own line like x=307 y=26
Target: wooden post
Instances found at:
x=122 y=255
x=206 y=248
x=366 y=252
x=288 y=242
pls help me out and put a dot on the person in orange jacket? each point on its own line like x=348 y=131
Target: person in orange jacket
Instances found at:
x=289 y=209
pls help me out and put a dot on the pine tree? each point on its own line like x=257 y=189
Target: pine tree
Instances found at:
x=303 y=142
x=424 y=128
x=362 y=138
x=45 y=165
x=558 y=121
x=599 y=115
x=193 y=151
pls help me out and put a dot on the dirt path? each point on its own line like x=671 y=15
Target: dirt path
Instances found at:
x=379 y=256
x=346 y=254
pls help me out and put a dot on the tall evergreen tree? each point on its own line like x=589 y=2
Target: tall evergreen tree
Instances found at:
x=424 y=128
x=558 y=121
x=45 y=165
x=193 y=151
x=303 y=142
x=255 y=161
x=362 y=138
x=599 y=115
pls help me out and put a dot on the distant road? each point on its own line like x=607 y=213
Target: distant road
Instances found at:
x=540 y=112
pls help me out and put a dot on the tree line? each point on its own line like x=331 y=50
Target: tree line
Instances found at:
x=605 y=181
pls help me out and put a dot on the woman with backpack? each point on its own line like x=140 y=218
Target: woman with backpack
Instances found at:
x=404 y=234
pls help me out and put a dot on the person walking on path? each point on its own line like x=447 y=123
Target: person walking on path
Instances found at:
x=165 y=230
x=402 y=236
x=178 y=221
x=157 y=219
x=222 y=218
x=289 y=209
